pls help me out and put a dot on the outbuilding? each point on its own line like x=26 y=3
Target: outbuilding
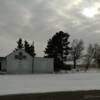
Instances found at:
x=20 y=62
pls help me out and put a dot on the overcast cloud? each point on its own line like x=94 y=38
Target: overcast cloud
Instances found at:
x=38 y=20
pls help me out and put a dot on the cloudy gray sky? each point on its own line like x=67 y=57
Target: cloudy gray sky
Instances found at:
x=38 y=20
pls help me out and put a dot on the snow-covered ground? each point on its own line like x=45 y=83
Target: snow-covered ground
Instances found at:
x=12 y=84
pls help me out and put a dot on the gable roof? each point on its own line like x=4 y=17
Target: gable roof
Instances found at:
x=18 y=50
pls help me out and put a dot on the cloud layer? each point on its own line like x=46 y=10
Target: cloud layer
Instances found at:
x=38 y=20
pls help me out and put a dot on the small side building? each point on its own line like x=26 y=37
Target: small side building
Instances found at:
x=2 y=64
x=43 y=65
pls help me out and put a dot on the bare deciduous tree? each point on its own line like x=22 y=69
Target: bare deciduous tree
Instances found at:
x=89 y=55
x=77 y=49
x=97 y=54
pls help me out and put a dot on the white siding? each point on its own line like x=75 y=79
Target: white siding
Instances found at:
x=43 y=65
x=15 y=66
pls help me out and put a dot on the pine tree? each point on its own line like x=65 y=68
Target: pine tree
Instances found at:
x=20 y=44
x=58 y=49
x=29 y=48
x=26 y=46
x=32 y=50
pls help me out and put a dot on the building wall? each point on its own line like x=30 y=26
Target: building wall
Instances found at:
x=43 y=65
x=17 y=65
x=3 y=64
x=23 y=63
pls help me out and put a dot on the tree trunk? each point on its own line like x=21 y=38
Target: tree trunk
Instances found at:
x=87 y=67
x=99 y=63
x=74 y=64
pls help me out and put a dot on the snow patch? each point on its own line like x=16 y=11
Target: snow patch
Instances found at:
x=15 y=84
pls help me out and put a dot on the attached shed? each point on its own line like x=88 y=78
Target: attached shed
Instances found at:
x=43 y=65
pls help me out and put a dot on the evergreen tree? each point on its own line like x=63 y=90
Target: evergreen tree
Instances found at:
x=32 y=50
x=20 y=44
x=26 y=46
x=29 y=48
x=58 y=49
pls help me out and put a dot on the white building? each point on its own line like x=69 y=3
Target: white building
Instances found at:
x=20 y=62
